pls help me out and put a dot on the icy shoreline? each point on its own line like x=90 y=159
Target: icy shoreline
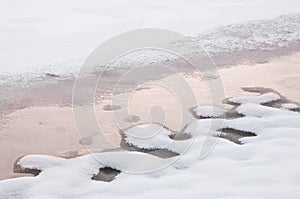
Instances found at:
x=251 y=42
x=229 y=168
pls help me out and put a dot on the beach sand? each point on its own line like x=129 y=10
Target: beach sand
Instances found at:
x=52 y=130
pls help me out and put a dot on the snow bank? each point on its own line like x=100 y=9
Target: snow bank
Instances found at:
x=265 y=166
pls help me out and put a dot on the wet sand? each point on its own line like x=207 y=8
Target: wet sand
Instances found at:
x=51 y=129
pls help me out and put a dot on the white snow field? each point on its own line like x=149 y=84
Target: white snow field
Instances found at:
x=56 y=36
x=263 y=166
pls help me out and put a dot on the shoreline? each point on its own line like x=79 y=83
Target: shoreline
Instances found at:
x=51 y=90
x=38 y=130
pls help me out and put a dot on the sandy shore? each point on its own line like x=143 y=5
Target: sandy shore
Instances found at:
x=51 y=130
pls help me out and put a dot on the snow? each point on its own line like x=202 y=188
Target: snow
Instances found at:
x=57 y=36
x=261 y=99
x=257 y=110
x=154 y=136
x=148 y=136
x=265 y=166
x=208 y=111
x=290 y=106
x=40 y=162
x=263 y=35
x=248 y=124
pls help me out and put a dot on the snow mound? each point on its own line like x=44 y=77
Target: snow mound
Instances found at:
x=154 y=136
x=208 y=111
x=261 y=99
x=40 y=162
x=148 y=136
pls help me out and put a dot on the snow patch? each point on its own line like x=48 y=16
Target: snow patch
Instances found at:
x=208 y=111
x=257 y=110
x=261 y=99
x=148 y=136
x=290 y=106
x=40 y=162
